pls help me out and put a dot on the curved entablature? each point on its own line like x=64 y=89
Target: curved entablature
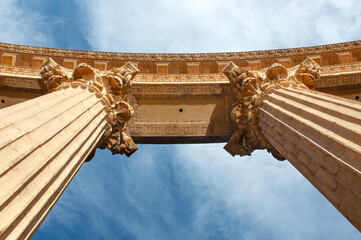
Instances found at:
x=179 y=98
x=181 y=63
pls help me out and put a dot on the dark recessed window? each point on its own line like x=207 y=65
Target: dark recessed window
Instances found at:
x=2 y=101
x=357 y=97
x=181 y=110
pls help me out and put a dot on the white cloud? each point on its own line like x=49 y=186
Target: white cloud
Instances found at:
x=215 y=25
x=225 y=197
x=20 y=26
x=260 y=194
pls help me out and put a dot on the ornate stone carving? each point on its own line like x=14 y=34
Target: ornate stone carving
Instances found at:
x=343 y=68
x=250 y=89
x=19 y=70
x=205 y=82
x=109 y=86
x=180 y=78
x=180 y=56
x=14 y=82
x=178 y=89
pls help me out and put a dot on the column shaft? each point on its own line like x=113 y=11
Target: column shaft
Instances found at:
x=43 y=143
x=320 y=135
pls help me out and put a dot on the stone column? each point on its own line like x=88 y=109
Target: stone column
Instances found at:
x=44 y=141
x=318 y=133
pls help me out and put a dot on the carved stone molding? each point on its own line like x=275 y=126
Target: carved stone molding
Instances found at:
x=250 y=89
x=179 y=56
x=342 y=68
x=331 y=76
x=110 y=86
x=19 y=70
x=179 y=78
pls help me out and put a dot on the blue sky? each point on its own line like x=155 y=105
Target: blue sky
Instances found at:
x=186 y=191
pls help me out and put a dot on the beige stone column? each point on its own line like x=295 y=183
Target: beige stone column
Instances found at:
x=319 y=134
x=44 y=141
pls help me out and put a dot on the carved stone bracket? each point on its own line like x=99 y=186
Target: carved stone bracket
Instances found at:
x=250 y=89
x=109 y=86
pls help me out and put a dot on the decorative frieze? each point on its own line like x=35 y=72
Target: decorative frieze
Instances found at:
x=21 y=71
x=180 y=78
x=177 y=89
x=25 y=83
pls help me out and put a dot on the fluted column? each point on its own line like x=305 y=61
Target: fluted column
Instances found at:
x=44 y=141
x=318 y=133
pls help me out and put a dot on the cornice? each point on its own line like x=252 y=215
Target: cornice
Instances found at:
x=12 y=48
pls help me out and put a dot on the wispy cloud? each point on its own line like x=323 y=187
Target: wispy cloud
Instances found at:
x=215 y=25
x=57 y=24
x=22 y=26
x=257 y=194
x=192 y=192
x=135 y=198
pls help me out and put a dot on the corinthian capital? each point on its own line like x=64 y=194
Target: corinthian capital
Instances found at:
x=110 y=87
x=250 y=89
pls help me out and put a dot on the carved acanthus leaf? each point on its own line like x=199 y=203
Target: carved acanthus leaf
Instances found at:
x=110 y=86
x=250 y=89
